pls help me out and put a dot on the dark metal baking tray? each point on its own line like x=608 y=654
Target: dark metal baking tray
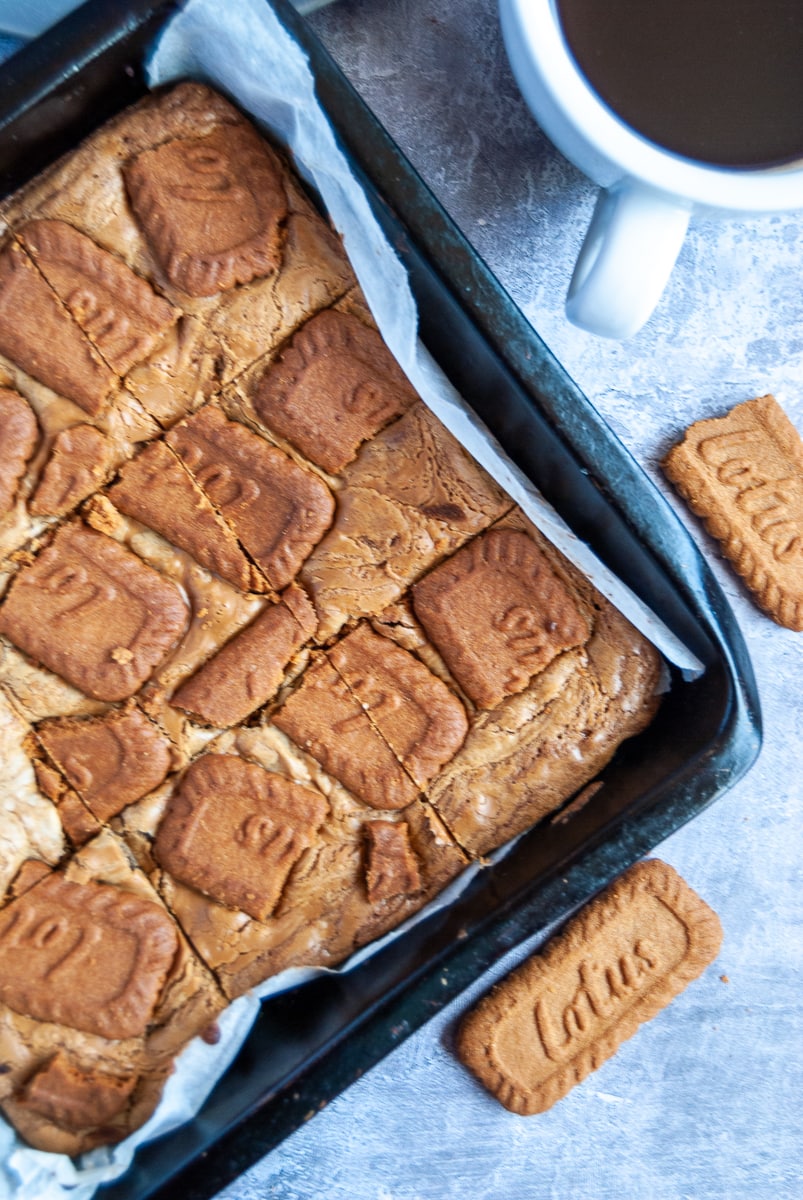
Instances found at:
x=310 y=1044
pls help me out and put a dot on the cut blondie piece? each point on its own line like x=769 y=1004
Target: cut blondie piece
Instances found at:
x=93 y=613
x=110 y=761
x=92 y=1014
x=323 y=718
x=498 y=614
x=541 y=734
x=410 y=498
x=157 y=490
x=183 y=193
x=333 y=387
x=344 y=881
x=415 y=713
x=278 y=510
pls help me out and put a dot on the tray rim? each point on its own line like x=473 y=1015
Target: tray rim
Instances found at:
x=95 y=26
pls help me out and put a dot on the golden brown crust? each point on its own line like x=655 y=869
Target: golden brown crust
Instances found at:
x=187 y=1000
x=110 y=761
x=324 y=719
x=215 y=336
x=569 y=1008
x=415 y=462
x=523 y=759
x=743 y=474
x=411 y=497
x=75 y=454
x=80 y=459
x=156 y=489
x=87 y=956
x=77 y=821
x=217 y=610
x=212 y=207
x=31 y=872
x=373 y=551
x=391 y=868
x=32 y=830
x=333 y=387
x=118 y=311
x=73 y=1098
x=40 y=1131
x=324 y=912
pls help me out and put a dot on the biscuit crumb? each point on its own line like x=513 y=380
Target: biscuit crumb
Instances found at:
x=100 y=513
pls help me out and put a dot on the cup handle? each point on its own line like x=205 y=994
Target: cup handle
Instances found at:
x=624 y=263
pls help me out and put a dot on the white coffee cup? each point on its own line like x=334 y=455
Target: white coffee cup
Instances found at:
x=648 y=193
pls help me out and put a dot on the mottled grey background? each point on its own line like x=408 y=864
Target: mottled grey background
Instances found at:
x=705 y=1102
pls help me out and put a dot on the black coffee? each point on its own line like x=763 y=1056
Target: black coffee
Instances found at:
x=715 y=80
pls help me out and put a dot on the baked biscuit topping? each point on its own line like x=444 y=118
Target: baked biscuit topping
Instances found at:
x=38 y=334
x=278 y=510
x=79 y=460
x=421 y=720
x=248 y=670
x=335 y=386
x=213 y=208
x=391 y=868
x=119 y=312
x=89 y=956
x=95 y=614
x=498 y=614
x=111 y=761
x=234 y=831
x=157 y=490
x=77 y=821
x=323 y=718
x=76 y=1098
x=19 y=434
x=30 y=873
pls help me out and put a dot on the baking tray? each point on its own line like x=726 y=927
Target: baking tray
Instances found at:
x=308 y=1045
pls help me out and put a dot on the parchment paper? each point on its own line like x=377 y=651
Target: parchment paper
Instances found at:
x=243 y=50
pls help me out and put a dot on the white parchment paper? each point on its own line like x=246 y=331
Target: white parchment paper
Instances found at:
x=243 y=50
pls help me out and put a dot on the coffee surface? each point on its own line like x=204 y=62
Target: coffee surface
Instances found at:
x=719 y=81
